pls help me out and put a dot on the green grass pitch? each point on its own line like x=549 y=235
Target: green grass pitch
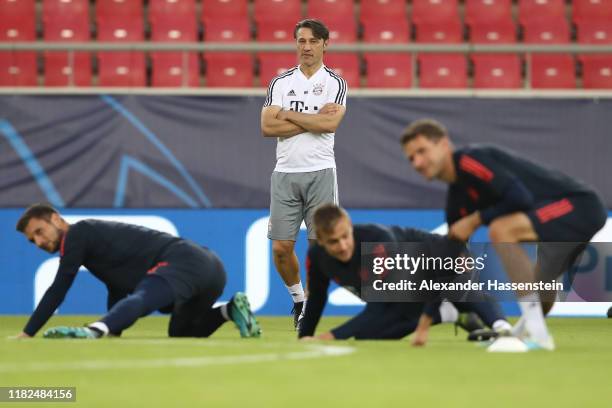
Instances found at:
x=144 y=368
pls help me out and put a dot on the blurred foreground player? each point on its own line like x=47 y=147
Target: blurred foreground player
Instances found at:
x=520 y=201
x=144 y=270
x=337 y=256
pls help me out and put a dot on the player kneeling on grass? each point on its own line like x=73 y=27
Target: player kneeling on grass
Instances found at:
x=337 y=256
x=144 y=270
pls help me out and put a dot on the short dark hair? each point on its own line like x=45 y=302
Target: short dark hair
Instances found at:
x=41 y=211
x=319 y=30
x=326 y=216
x=428 y=128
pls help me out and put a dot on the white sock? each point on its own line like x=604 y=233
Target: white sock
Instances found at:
x=534 y=318
x=100 y=326
x=297 y=292
x=448 y=312
x=224 y=312
x=501 y=325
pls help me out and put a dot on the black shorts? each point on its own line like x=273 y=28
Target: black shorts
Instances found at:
x=381 y=320
x=191 y=271
x=570 y=219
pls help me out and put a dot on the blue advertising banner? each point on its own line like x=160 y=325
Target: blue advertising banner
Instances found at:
x=238 y=236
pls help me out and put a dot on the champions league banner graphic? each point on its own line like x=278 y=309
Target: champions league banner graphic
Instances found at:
x=137 y=151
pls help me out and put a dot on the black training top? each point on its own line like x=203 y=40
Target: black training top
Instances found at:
x=322 y=267
x=498 y=182
x=118 y=254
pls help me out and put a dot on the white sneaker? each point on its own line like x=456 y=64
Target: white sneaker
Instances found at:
x=508 y=344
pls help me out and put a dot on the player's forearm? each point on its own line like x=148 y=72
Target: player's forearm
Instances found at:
x=52 y=299
x=425 y=322
x=318 y=123
x=314 y=310
x=515 y=198
x=43 y=312
x=280 y=128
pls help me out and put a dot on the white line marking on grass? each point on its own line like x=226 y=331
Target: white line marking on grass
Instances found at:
x=315 y=351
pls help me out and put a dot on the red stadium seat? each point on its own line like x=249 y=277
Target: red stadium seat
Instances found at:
x=175 y=68
x=388 y=31
x=17 y=29
x=343 y=30
x=121 y=68
x=174 y=72
x=487 y=10
x=434 y=11
x=118 y=9
x=595 y=32
x=273 y=64
x=530 y=10
x=498 y=32
x=287 y=11
x=597 y=72
x=388 y=70
x=20 y=9
x=346 y=65
x=270 y=63
x=448 y=32
x=65 y=10
x=17 y=68
x=63 y=68
x=229 y=70
x=377 y=9
x=497 y=71
x=592 y=11
x=324 y=9
x=442 y=71
x=552 y=71
x=549 y=31
x=549 y=71
x=227 y=30
x=172 y=9
x=213 y=9
x=275 y=31
x=118 y=30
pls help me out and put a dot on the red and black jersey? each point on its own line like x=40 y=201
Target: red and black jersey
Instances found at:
x=321 y=268
x=118 y=254
x=496 y=181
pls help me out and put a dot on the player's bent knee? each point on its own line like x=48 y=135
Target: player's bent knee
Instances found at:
x=514 y=227
x=498 y=231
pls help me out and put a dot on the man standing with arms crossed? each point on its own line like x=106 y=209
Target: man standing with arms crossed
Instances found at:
x=303 y=108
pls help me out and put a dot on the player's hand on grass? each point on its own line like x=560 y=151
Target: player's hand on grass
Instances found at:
x=420 y=338
x=307 y=338
x=322 y=336
x=326 y=336
x=22 y=335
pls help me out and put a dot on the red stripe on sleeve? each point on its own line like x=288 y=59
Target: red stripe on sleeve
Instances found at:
x=554 y=210
x=474 y=167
